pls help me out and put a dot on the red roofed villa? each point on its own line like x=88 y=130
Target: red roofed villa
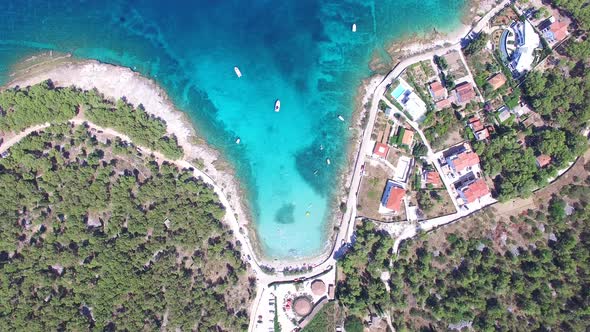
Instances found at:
x=392 y=197
x=461 y=161
x=408 y=137
x=543 y=160
x=465 y=93
x=557 y=31
x=475 y=124
x=475 y=190
x=497 y=81
x=381 y=150
x=437 y=90
x=432 y=177
x=443 y=103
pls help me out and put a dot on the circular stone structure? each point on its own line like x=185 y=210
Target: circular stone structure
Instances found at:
x=302 y=306
x=318 y=287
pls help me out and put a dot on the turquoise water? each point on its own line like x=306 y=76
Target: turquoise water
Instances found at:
x=301 y=52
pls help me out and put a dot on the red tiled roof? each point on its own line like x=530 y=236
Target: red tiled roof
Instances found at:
x=408 y=137
x=476 y=190
x=559 y=30
x=438 y=90
x=381 y=150
x=465 y=92
x=482 y=134
x=543 y=160
x=475 y=124
x=443 y=103
x=497 y=81
x=394 y=202
x=433 y=177
x=464 y=160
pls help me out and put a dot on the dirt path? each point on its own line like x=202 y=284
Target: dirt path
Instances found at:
x=18 y=137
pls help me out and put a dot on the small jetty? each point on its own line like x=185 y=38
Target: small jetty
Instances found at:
x=238 y=72
x=354 y=27
x=277 y=106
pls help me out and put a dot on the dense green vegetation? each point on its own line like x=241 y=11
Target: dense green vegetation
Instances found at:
x=137 y=124
x=536 y=279
x=92 y=236
x=561 y=96
x=578 y=8
x=22 y=108
x=362 y=266
x=477 y=44
x=439 y=125
x=324 y=320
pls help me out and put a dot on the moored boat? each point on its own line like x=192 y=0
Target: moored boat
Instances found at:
x=328 y=161
x=341 y=118
x=238 y=72
x=354 y=27
x=238 y=140
x=277 y=105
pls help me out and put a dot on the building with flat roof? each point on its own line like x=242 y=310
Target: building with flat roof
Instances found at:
x=411 y=102
x=503 y=114
x=392 y=197
x=527 y=40
x=380 y=150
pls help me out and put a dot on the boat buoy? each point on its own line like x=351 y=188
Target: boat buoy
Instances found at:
x=354 y=27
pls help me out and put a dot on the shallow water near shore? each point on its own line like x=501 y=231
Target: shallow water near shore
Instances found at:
x=301 y=52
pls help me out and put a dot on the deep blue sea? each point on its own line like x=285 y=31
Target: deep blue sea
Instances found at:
x=301 y=51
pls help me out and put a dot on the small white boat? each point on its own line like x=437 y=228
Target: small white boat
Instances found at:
x=238 y=72
x=321 y=147
x=328 y=161
x=238 y=140
x=277 y=105
x=354 y=27
x=341 y=118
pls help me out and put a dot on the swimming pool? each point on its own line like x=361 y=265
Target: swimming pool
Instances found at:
x=398 y=91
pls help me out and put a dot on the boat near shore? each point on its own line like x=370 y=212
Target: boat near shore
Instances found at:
x=277 y=105
x=340 y=117
x=238 y=72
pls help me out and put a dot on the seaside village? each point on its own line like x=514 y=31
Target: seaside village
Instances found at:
x=422 y=161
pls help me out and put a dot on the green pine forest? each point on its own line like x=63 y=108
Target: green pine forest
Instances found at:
x=95 y=235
